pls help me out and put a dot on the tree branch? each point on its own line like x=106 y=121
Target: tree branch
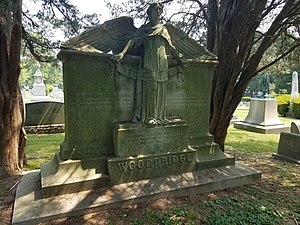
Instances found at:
x=278 y=59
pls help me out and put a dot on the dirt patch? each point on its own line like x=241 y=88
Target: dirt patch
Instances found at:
x=7 y=197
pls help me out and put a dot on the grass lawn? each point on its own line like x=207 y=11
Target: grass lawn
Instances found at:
x=41 y=147
x=275 y=200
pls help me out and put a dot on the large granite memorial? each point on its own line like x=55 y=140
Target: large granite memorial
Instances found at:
x=136 y=123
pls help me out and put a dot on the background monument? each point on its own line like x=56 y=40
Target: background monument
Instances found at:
x=295 y=91
x=263 y=116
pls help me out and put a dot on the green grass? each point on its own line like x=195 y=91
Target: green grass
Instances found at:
x=250 y=142
x=41 y=148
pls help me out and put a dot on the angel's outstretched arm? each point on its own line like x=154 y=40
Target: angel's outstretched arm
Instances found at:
x=127 y=47
x=176 y=55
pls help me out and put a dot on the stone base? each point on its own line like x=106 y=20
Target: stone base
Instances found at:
x=211 y=156
x=285 y=158
x=133 y=139
x=30 y=208
x=45 y=129
x=62 y=177
x=271 y=129
x=124 y=170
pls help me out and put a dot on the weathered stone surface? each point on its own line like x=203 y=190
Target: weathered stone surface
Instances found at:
x=94 y=98
x=62 y=177
x=30 y=208
x=133 y=139
x=124 y=170
x=211 y=156
x=289 y=147
x=44 y=113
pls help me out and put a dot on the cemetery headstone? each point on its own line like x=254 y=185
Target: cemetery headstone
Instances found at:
x=44 y=113
x=295 y=127
x=289 y=145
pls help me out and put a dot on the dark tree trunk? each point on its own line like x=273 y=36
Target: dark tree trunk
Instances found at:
x=233 y=44
x=12 y=136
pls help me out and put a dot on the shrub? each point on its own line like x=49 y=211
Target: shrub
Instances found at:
x=295 y=108
x=283 y=104
x=246 y=99
x=283 y=91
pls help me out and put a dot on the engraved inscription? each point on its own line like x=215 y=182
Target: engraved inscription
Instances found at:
x=156 y=162
x=99 y=100
x=131 y=142
x=178 y=102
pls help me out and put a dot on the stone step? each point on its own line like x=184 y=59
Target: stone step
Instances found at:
x=30 y=208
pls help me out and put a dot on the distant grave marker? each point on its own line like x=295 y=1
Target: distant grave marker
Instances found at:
x=289 y=144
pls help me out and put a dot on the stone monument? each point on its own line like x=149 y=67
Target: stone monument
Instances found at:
x=295 y=91
x=263 y=116
x=38 y=87
x=136 y=121
x=289 y=145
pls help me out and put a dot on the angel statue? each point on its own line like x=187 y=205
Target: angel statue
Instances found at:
x=154 y=43
x=153 y=39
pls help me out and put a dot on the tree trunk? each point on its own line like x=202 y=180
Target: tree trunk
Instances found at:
x=236 y=27
x=238 y=61
x=12 y=136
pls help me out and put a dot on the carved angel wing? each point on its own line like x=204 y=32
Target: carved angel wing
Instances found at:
x=112 y=35
x=187 y=46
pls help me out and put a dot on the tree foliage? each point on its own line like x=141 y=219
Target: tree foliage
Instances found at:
x=53 y=17
x=240 y=33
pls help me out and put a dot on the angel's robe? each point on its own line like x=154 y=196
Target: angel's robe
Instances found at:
x=151 y=88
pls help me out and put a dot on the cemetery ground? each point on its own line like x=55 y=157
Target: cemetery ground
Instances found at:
x=275 y=200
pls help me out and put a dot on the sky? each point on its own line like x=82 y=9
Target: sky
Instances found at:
x=94 y=6
x=84 y=6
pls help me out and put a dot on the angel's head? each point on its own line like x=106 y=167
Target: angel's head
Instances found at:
x=154 y=10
